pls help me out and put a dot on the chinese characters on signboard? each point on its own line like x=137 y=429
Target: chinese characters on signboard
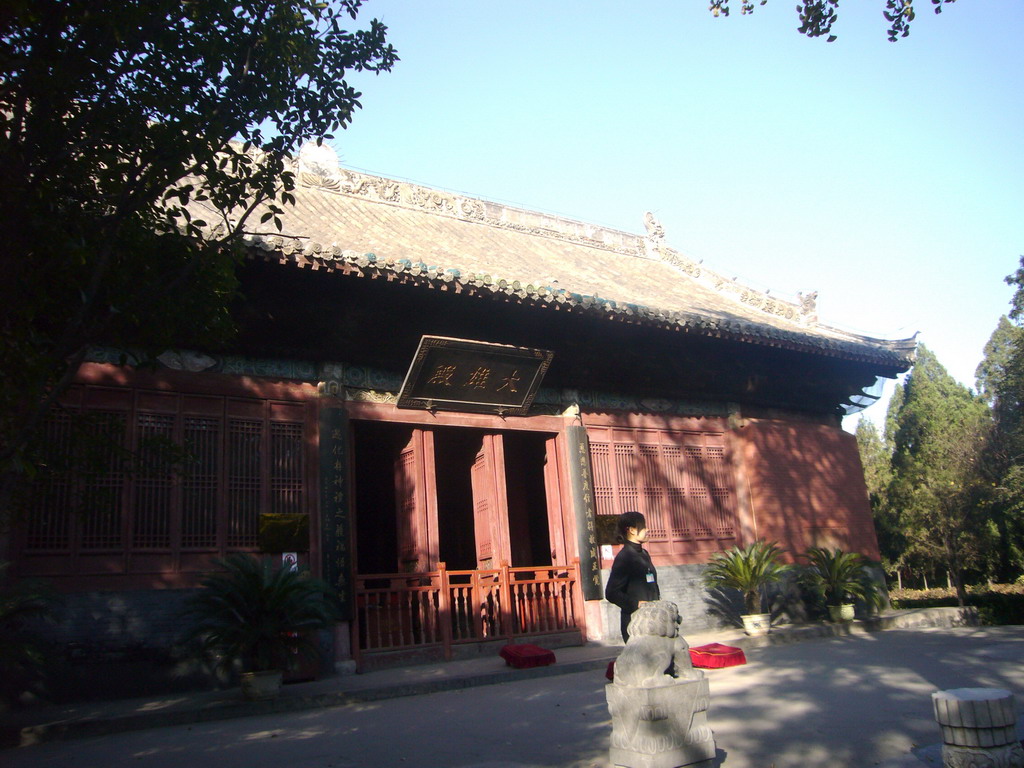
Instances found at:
x=473 y=376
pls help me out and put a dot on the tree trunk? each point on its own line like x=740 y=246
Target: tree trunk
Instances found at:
x=1006 y=570
x=953 y=560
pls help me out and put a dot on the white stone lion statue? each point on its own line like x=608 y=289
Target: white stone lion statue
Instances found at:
x=655 y=654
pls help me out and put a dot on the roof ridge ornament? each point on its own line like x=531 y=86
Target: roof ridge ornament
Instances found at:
x=808 y=306
x=318 y=166
x=655 y=232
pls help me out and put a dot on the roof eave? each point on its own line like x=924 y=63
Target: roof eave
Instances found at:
x=894 y=357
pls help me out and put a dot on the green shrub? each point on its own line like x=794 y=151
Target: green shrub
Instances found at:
x=25 y=656
x=996 y=603
x=259 y=615
x=746 y=569
x=838 y=577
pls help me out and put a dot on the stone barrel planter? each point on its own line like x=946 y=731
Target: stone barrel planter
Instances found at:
x=757 y=624
x=260 y=686
x=979 y=728
x=841 y=613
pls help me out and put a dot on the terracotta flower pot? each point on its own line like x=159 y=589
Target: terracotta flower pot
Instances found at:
x=259 y=686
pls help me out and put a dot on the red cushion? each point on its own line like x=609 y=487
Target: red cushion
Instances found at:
x=524 y=655
x=716 y=656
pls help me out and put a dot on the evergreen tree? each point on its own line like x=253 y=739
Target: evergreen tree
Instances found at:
x=876 y=458
x=939 y=430
x=1000 y=380
x=995 y=372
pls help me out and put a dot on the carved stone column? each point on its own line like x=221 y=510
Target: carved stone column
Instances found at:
x=979 y=728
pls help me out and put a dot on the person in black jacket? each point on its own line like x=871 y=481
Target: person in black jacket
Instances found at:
x=633 y=579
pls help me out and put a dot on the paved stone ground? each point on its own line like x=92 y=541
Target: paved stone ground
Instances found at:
x=859 y=700
x=91 y=718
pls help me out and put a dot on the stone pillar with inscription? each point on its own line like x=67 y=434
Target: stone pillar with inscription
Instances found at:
x=583 y=506
x=336 y=524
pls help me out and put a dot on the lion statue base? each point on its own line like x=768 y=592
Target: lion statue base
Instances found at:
x=658 y=701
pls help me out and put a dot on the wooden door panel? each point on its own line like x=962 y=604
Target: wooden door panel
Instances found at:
x=416 y=505
x=483 y=506
x=490 y=505
x=552 y=491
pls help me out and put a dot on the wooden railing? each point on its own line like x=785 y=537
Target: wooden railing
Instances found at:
x=441 y=608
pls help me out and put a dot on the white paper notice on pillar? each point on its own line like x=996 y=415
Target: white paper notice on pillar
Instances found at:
x=606 y=551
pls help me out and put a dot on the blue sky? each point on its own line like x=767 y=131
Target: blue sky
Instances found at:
x=887 y=176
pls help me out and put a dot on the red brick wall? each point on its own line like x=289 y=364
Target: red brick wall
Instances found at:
x=806 y=487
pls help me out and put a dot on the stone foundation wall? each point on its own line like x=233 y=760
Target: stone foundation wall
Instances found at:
x=682 y=585
x=99 y=623
x=117 y=644
x=702 y=611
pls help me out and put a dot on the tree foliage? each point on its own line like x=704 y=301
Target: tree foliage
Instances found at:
x=940 y=428
x=1017 y=302
x=1000 y=378
x=996 y=367
x=876 y=458
x=817 y=17
x=946 y=479
x=117 y=122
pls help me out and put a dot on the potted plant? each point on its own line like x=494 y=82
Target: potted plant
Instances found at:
x=748 y=569
x=840 y=578
x=260 y=618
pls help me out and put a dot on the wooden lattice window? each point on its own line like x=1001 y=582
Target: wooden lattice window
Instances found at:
x=48 y=526
x=100 y=521
x=680 y=481
x=200 y=485
x=153 y=481
x=245 y=469
x=165 y=473
x=286 y=467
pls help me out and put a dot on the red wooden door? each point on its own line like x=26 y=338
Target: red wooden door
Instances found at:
x=416 y=504
x=490 y=516
x=552 y=490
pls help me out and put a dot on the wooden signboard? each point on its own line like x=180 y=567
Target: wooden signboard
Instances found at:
x=473 y=376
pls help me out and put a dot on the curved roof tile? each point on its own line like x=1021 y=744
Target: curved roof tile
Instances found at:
x=343 y=219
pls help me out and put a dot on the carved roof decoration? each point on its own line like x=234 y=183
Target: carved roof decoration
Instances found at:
x=378 y=227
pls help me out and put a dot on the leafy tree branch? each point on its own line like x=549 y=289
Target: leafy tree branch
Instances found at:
x=118 y=123
x=817 y=17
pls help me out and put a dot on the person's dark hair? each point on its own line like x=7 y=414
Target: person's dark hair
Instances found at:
x=629 y=520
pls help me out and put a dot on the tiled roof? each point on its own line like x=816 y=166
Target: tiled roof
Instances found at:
x=355 y=222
